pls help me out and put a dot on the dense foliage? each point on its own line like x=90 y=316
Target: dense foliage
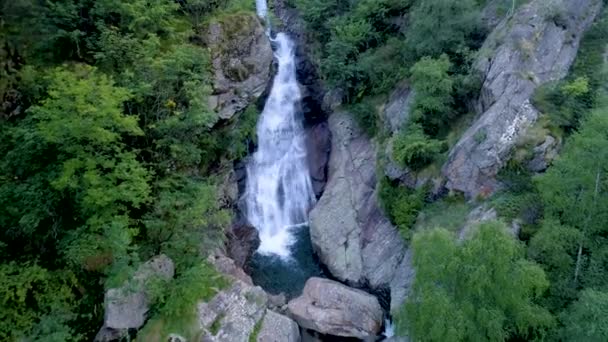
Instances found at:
x=108 y=155
x=490 y=286
x=480 y=290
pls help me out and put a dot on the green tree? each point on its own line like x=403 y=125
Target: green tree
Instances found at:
x=413 y=149
x=439 y=26
x=433 y=99
x=480 y=289
x=585 y=319
x=574 y=193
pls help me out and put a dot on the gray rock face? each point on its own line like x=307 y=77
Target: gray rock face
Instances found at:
x=537 y=45
x=397 y=110
x=229 y=267
x=349 y=231
x=232 y=314
x=318 y=143
x=544 y=154
x=278 y=328
x=126 y=307
x=332 y=308
x=241 y=59
x=243 y=241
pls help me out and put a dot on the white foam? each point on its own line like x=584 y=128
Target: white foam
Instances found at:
x=279 y=191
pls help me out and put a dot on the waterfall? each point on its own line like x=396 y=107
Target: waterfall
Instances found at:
x=279 y=190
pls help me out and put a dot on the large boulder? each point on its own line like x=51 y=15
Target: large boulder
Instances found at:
x=535 y=46
x=241 y=58
x=240 y=313
x=332 y=308
x=278 y=328
x=233 y=313
x=126 y=307
x=349 y=232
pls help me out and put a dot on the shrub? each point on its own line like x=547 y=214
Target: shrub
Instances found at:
x=433 y=99
x=402 y=205
x=413 y=149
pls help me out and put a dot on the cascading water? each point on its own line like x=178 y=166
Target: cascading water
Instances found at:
x=279 y=191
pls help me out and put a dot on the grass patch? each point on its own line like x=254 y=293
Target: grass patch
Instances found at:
x=450 y=214
x=174 y=303
x=216 y=325
x=253 y=337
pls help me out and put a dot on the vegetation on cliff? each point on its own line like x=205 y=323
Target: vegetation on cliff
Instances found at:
x=107 y=157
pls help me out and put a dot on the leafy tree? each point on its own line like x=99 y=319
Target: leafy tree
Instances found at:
x=481 y=289
x=413 y=149
x=433 y=99
x=36 y=303
x=439 y=26
x=402 y=205
x=575 y=197
x=585 y=319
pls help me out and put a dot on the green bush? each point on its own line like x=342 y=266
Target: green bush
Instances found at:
x=365 y=113
x=402 y=205
x=432 y=106
x=442 y=26
x=413 y=149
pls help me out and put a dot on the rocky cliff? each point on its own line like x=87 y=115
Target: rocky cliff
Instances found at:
x=349 y=231
x=241 y=58
x=534 y=46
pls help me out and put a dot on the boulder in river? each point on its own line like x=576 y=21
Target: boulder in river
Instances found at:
x=332 y=308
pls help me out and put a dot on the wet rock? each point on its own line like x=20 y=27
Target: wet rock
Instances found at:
x=241 y=60
x=243 y=241
x=232 y=315
x=332 y=308
x=278 y=328
x=534 y=46
x=126 y=306
x=349 y=232
x=306 y=71
x=318 y=143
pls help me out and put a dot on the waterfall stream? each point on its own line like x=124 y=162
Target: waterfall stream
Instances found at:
x=279 y=191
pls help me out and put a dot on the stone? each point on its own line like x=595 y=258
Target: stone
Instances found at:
x=349 y=232
x=318 y=143
x=126 y=307
x=241 y=58
x=106 y=334
x=243 y=241
x=397 y=109
x=232 y=315
x=306 y=71
x=278 y=328
x=543 y=154
x=534 y=46
x=478 y=215
x=228 y=267
x=332 y=308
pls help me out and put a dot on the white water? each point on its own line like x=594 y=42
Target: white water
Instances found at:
x=279 y=191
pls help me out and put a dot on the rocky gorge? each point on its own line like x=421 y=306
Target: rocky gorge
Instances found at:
x=368 y=263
